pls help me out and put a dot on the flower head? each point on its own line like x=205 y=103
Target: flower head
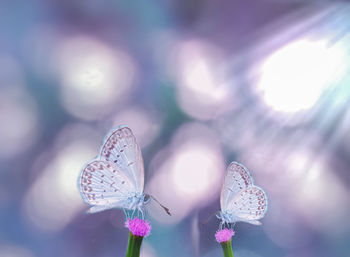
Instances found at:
x=138 y=227
x=224 y=235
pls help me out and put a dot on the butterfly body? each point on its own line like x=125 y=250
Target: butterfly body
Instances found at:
x=227 y=217
x=240 y=199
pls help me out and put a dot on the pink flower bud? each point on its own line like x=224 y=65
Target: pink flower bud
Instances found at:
x=138 y=227
x=224 y=235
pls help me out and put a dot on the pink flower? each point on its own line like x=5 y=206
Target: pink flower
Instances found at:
x=138 y=227
x=224 y=235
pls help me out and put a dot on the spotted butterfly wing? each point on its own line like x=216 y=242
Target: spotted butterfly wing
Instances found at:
x=121 y=148
x=249 y=205
x=103 y=185
x=237 y=178
x=240 y=198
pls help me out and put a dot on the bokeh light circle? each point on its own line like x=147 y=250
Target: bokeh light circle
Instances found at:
x=189 y=172
x=197 y=67
x=94 y=76
x=294 y=77
x=53 y=199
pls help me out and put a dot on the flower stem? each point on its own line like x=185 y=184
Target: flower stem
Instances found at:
x=134 y=245
x=227 y=248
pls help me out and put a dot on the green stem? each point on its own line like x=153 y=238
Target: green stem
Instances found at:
x=227 y=248
x=134 y=246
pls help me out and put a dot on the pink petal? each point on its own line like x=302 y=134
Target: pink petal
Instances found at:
x=224 y=235
x=138 y=227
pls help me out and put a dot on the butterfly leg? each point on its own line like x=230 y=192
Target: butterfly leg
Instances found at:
x=126 y=213
x=140 y=213
x=129 y=214
x=145 y=212
x=133 y=213
x=225 y=224
x=232 y=225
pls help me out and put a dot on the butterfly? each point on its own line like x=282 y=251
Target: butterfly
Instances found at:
x=115 y=179
x=240 y=199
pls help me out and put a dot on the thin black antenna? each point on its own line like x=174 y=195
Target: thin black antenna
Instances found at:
x=165 y=208
x=206 y=221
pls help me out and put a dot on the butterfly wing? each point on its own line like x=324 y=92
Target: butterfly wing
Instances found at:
x=121 y=148
x=249 y=205
x=237 y=178
x=103 y=185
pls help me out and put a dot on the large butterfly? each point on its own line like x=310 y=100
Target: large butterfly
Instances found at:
x=240 y=199
x=115 y=179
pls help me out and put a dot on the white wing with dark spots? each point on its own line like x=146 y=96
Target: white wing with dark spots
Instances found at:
x=121 y=148
x=240 y=199
x=236 y=179
x=103 y=185
x=248 y=205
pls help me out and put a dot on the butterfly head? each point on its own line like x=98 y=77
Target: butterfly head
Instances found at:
x=134 y=201
x=146 y=199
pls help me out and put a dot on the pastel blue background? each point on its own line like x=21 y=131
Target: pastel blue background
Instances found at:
x=201 y=83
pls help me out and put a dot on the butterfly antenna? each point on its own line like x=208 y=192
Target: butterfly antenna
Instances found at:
x=165 y=208
x=206 y=221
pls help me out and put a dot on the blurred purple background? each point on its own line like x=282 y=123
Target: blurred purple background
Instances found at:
x=201 y=83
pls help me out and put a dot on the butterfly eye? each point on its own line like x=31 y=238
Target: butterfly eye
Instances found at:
x=146 y=199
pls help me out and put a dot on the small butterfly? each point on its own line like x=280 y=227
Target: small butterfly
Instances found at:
x=115 y=179
x=240 y=199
